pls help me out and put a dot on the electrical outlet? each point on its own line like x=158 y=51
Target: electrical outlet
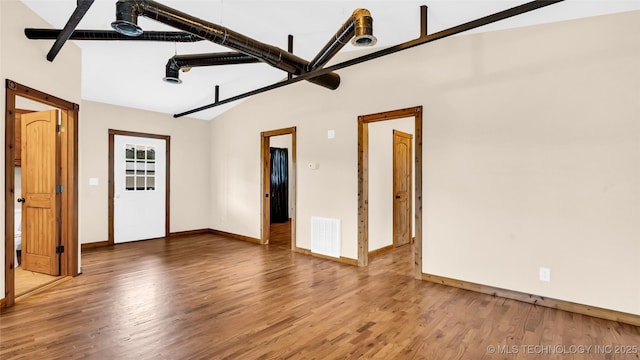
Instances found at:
x=545 y=274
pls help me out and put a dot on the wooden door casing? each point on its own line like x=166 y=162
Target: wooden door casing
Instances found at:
x=40 y=226
x=68 y=171
x=265 y=184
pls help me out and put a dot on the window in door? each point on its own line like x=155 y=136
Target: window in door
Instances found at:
x=140 y=167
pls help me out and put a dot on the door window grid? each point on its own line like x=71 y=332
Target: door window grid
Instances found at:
x=140 y=167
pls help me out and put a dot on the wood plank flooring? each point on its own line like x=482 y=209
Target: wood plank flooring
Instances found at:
x=280 y=234
x=209 y=297
x=26 y=281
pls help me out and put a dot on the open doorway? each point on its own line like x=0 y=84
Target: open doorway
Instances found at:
x=41 y=218
x=278 y=159
x=390 y=185
x=365 y=135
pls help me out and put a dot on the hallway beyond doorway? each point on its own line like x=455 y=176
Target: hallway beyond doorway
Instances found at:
x=280 y=234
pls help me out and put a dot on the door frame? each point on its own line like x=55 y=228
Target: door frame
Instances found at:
x=363 y=182
x=111 y=192
x=68 y=216
x=265 y=183
x=398 y=133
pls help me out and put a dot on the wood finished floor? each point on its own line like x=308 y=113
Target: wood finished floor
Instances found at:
x=208 y=297
x=280 y=234
x=26 y=280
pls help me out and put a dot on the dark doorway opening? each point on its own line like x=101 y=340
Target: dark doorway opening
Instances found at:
x=279 y=185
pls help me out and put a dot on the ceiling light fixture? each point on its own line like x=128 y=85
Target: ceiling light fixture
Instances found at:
x=127 y=19
x=364 y=29
x=358 y=28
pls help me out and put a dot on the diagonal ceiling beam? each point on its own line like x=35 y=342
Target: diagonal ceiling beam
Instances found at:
x=78 y=14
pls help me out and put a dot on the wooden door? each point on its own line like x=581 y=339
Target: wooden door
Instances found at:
x=18 y=142
x=402 y=171
x=40 y=159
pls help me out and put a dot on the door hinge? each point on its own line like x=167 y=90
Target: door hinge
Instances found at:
x=59 y=249
x=59 y=189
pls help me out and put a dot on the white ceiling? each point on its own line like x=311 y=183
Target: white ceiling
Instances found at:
x=129 y=73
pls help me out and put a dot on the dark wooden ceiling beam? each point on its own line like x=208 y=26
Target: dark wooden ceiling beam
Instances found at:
x=74 y=20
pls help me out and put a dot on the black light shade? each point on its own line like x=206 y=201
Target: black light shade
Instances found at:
x=127 y=19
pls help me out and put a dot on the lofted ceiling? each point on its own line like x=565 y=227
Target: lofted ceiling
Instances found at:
x=129 y=73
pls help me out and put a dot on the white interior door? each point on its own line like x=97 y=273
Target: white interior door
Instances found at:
x=139 y=188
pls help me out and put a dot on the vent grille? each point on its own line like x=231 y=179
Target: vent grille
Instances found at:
x=325 y=236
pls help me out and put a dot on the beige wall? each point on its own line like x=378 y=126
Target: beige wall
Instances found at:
x=189 y=174
x=235 y=158
x=24 y=61
x=531 y=155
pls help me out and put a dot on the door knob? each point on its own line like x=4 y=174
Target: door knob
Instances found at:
x=397 y=196
x=21 y=200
